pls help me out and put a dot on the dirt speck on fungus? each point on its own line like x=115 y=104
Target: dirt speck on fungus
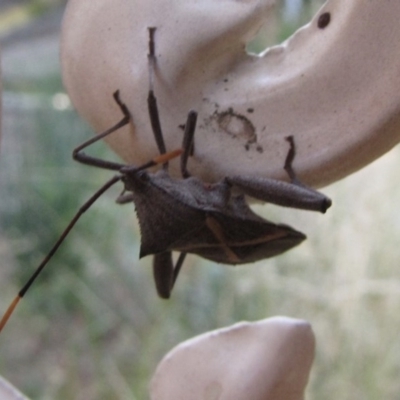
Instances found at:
x=237 y=126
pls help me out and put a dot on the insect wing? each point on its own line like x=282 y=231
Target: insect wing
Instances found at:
x=249 y=240
x=252 y=241
x=243 y=236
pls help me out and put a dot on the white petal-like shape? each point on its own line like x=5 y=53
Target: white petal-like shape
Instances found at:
x=9 y=392
x=334 y=88
x=264 y=360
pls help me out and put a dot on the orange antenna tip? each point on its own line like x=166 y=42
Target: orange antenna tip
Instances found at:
x=163 y=158
x=9 y=311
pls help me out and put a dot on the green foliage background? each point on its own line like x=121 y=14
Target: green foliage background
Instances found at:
x=93 y=328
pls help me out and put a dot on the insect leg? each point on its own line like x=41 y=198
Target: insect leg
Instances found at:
x=294 y=194
x=165 y=274
x=177 y=268
x=187 y=144
x=152 y=100
x=321 y=201
x=288 y=167
x=40 y=268
x=154 y=113
x=83 y=158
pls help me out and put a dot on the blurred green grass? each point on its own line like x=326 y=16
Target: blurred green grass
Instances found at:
x=93 y=327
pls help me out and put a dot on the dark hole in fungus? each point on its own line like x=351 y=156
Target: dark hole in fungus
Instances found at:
x=323 y=20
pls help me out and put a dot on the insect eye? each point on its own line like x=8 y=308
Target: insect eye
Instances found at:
x=143 y=176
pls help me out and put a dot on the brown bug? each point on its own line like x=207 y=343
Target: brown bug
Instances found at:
x=189 y=215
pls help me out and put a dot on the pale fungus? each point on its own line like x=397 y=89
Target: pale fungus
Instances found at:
x=333 y=85
x=9 y=392
x=263 y=360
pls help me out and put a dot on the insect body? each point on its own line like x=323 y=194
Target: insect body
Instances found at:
x=188 y=215
x=210 y=220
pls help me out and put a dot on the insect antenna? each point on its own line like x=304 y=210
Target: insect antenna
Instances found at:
x=161 y=159
x=40 y=268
